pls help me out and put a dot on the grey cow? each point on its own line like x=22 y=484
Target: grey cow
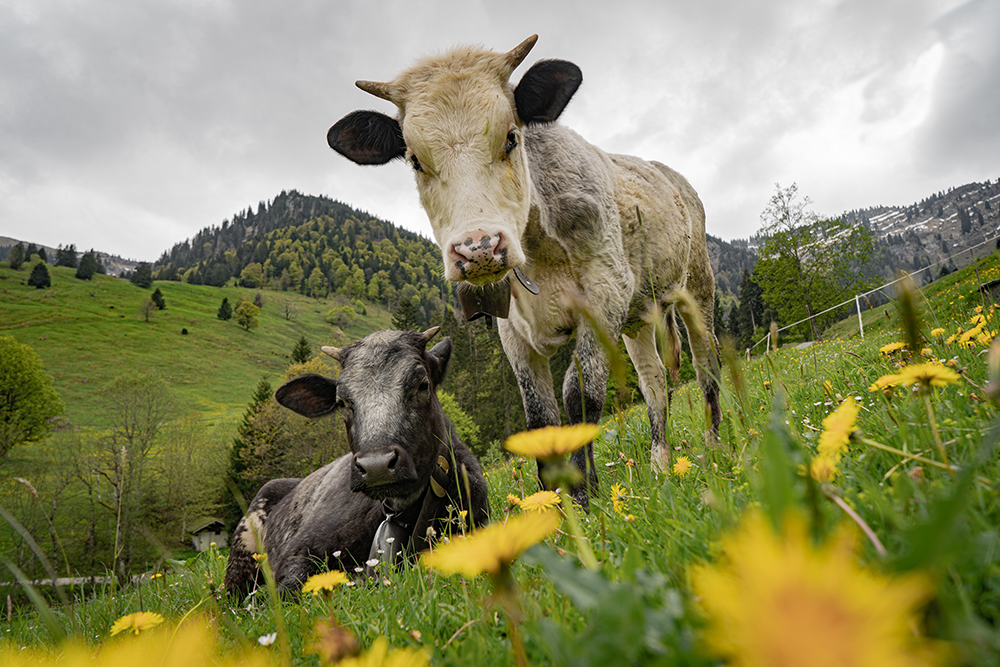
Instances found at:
x=406 y=468
x=510 y=193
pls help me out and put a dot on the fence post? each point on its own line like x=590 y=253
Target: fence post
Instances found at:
x=861 y=325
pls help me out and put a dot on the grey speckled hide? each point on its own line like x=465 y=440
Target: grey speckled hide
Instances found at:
x=510 y=192
x=406 y=460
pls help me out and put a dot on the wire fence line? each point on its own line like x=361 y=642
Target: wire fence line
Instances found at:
x=856 y=299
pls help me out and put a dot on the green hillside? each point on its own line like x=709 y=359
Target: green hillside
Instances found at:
x=88 y=332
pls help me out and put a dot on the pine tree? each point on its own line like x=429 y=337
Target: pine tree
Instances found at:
x=17 y=256
x=404 y=317
x=66 y=256
x=158 y=299
x=87 y=267
x=301 y=352
x=237 y=469
x=143 y=275
x=40 y=276
x=225 y=310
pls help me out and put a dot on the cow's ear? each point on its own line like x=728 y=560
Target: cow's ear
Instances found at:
x=311 y=395
x=437 y=358
x=367 y=137
x=546 y=89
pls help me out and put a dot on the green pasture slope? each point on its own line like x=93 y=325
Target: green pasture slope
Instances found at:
x=649 y=532
x=88 y=332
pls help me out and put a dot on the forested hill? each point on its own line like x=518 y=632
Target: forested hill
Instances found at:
x=315 y=246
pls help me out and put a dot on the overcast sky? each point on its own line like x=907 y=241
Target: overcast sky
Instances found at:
x=129 y=126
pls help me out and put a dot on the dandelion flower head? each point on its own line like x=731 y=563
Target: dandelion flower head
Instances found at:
x=777 y=600
x=326 y=581
x=551 y=441
x=493 y=547
x=379 y=655
x=929 y=374
x=619 y=498
x=682 y=466
x=838 y=427
x=892 y=347
x=542 y=500
x=137 y=622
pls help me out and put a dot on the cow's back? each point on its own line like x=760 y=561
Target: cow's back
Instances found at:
x=322 y=516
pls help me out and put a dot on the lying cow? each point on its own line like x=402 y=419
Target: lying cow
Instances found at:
x=510 y=191
x=406 y=468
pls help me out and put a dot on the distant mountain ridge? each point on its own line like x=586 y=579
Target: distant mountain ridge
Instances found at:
x=113 y=264
x=316 y=246
x=935 y=229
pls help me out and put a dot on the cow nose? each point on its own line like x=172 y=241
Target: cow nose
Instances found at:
x=479 y=253
x=378 y=468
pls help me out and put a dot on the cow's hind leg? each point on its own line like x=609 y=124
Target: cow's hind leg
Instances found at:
x=652 y=381
x=705 y=353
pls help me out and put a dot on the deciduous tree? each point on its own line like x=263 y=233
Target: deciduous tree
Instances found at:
x=246 y=315
x=808 y=264
x=27 y=399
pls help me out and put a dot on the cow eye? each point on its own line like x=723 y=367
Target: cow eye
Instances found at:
x=511 y=142
x=415 y=162
x=424 y=386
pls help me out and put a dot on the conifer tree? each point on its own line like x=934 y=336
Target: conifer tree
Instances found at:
x=143 y=275
x=87 y=267
x=225 y=310
x=237 y=469
x=66 y=256
x=158 y=299
x=301 y=352
x=40 y=276
x=404 y=317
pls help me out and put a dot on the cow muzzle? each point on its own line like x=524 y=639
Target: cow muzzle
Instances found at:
x=480 y=257
x=381 y=468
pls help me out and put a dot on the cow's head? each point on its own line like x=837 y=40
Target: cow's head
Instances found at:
x=386 y=393
x=460 y=127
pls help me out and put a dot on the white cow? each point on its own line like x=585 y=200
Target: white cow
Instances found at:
x=510 y=191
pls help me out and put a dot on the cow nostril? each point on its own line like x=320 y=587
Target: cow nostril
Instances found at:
x=393 y=461
x=360 y=468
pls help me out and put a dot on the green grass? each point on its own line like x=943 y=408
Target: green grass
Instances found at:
x=88 y=332
x=639 y=607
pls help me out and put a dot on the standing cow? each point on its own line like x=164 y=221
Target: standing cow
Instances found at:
x=406 y=468
x=510 y=191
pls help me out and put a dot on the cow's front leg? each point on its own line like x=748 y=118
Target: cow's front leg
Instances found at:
x=586 y=404
x=534 y=379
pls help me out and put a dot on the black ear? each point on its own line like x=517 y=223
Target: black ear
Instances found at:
x=367 y=137
x=546 y=89
x=437 y=358
x=311 y=395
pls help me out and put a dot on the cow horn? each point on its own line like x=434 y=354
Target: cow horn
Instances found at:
x=519 y=53
x=430 y=333
x=332 y=351
x=377 y=88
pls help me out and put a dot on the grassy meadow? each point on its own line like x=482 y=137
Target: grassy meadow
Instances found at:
x=87 y=332
x=747 y=552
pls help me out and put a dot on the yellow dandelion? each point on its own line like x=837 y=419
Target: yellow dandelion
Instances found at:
x=137 y=622
x=551 y=441
x=494 y=547
x=326 y=581
x=619 y=498
x=837 y=428
x=777 y=600
x=951 y=339
x=379 y=655
x=260 y=558
x=928 y=375
x=543 y=500
x=513 y=501
x=681 y=466
x=892 y=347
x=937 y=332
x=823 y=468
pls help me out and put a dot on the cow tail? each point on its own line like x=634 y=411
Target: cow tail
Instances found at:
x=242 y=568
